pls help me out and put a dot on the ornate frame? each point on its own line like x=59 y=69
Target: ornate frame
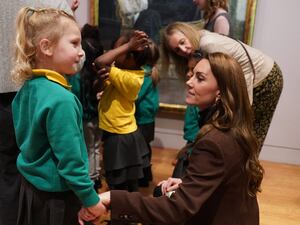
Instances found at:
x=250 y=12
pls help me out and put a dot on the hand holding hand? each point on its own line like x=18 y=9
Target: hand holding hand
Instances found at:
x=92 y=213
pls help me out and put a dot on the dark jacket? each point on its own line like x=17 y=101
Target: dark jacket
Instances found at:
x=213 y=192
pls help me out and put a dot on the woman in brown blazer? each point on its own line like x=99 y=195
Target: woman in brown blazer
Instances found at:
x=223 y=175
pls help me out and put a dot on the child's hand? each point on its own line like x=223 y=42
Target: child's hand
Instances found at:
x=102 y=76
x=92 y=213
x=99 y=95
x=103 y=73
x=85 y=215
x=74 y=5
x=139 y=41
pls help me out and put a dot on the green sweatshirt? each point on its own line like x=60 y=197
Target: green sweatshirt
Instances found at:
x=48 y=125
x=147 y=103
x=191 y=123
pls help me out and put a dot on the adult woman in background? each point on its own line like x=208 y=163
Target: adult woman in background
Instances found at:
x=215 y=15
x=223 y=169
x=216 y=20
x=263 y=76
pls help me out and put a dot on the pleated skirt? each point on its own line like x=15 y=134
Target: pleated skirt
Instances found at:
x=124 y=156
x=38 y=207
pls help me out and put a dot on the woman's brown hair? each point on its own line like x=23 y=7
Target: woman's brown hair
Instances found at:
x=212 y=6
x=234 y=113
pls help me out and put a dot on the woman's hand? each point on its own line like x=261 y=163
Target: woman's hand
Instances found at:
x=169 y=185
x=105 y=198
x=139 y=41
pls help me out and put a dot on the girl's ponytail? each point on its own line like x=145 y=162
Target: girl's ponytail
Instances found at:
x=25 y=50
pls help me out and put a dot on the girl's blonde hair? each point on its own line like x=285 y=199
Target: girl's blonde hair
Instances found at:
x=234 y=113
x=32 y=26
x=168 y=55
x=212 y=6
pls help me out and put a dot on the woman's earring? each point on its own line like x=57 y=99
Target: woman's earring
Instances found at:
x=218 y=100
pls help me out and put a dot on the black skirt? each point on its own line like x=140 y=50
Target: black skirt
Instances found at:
x=47 y=208
x=124 y=156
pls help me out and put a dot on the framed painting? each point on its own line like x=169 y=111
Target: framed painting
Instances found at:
x=115 y=16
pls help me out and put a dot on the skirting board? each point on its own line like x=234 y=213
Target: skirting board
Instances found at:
x=280 y=154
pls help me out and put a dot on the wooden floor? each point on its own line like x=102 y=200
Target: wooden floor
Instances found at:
x=279 y=202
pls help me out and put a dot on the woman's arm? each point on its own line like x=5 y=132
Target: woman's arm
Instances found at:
x=222 y=26
x=204 y=175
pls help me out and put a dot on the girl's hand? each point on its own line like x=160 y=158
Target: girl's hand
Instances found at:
x=102 y=76
x=169 y=185
x=139 y=41
x=99 y=95
x=74 y=5
x=85 y=215
x=103 y=73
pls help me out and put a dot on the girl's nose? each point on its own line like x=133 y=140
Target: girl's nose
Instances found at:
x=182 y=49
x=81 y=52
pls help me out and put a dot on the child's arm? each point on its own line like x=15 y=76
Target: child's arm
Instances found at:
x=137 y=42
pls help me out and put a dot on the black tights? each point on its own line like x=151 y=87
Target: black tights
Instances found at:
x=130 y=185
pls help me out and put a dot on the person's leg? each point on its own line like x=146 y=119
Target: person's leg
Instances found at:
x=265 y=99
x=144 y=182
x=147 y=131
x=122 y=186
x=97 y=147
x=89 y=140
x=9 y=175
x=133 y=185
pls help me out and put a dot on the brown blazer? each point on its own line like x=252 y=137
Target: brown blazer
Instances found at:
x=213 y=191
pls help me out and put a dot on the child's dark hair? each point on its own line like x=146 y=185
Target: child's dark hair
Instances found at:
x=148 y=56
x=93 y=48
x=91 y=44
x=152 y=61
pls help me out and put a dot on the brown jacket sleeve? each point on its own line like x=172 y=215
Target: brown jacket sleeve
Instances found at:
x=204 y=174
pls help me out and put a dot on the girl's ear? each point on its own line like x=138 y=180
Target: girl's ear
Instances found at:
x=46 y=47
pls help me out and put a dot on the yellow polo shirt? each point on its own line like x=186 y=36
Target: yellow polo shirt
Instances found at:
x=117 y=104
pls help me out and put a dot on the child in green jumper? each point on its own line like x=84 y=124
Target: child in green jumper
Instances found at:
x=48 y=121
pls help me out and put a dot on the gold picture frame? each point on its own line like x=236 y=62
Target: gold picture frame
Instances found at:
x=242 y=14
